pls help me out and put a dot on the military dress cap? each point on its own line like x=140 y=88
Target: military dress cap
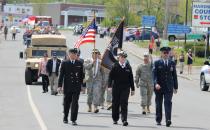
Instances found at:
x=73 y=50
x=95 y=51
x=122 y=53
x=165 y=49
x=146 y=54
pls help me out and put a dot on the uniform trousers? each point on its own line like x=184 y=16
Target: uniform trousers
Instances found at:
x=53 y=82
x=167 y=104
x=120 y=102
x=71 y=100
x=146 y=95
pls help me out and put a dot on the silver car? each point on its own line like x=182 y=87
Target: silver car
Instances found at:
x=205 y=77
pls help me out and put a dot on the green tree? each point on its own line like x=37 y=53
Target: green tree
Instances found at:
x=182 y=10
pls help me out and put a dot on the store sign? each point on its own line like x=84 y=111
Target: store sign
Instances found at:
x=201 y=14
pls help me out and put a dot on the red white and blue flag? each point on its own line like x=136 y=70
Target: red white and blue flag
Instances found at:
x=88 y=36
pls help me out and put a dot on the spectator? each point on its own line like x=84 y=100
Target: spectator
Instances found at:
x=5 y=32
x=137 y=35
x=189 y=61
x=181 y=62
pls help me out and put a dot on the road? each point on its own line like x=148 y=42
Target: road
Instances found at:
x=27 y=108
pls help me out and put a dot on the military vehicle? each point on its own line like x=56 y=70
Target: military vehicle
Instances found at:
x=41 y=44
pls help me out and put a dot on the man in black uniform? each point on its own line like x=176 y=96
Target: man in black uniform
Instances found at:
x=121 y=81
x=71 y=73
x=165 y=81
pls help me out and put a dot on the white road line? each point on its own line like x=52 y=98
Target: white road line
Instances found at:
x=35 y=110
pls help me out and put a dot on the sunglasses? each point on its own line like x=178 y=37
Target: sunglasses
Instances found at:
x=165 y=52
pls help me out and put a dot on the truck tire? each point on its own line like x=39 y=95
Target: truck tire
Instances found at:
x=171 y=38
x=28 y=76
x=203 y=85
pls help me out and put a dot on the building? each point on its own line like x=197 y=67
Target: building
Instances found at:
x=61 y=13
x=68 y=14
x=14 y=13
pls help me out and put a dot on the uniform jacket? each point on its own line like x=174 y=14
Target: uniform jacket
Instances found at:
x=165 y=76
x=50 y=66
x=89 y=71
x=71 y=75
x=121 y=78
x=144 y=76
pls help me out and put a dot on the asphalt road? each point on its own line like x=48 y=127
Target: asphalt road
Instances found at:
x=19 y=109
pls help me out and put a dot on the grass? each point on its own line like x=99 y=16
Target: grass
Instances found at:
x=197 y=61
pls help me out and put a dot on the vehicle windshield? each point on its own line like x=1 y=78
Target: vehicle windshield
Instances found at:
x=59 y=53
x=38 y=53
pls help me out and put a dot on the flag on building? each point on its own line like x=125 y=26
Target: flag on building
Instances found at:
x=88 y=36
x=110 y=54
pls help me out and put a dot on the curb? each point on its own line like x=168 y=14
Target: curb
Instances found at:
x=181 y=76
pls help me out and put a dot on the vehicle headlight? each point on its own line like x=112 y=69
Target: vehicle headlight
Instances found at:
x=36 y=65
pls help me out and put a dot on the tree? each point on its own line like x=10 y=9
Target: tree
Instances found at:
x=182 y=10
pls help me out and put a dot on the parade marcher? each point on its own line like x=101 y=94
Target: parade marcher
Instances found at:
x=71 y=74
x=165 y=82
x=82 y=61
x=181 y=61
x=144 y=80
x=14 y=31
x=94 y=81
x=53 y=66
x=189 y=61
x=5 y=32
x=43 y=73
x=120 y=82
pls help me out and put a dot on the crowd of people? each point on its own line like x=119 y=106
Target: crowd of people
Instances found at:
x=74 y=75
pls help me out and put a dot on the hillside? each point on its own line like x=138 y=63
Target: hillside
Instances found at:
x=68 y=1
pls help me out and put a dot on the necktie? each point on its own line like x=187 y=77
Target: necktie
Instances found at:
x=165 y=62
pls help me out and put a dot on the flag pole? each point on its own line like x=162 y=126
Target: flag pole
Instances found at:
x=94 y=18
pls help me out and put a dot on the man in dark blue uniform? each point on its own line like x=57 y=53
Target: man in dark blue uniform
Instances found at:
x=165 y=82
x=72 y=75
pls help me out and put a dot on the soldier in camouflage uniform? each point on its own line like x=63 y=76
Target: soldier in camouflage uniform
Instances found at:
x=144 y=80
x=94 y=76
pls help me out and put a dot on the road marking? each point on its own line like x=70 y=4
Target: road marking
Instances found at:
x=35 y=110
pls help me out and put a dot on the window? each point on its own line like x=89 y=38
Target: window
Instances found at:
x=28 y=10
x=18 y=9
x=23 y=11
x=38 y=53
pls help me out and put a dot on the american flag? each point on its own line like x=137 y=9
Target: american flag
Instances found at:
x=88 y=36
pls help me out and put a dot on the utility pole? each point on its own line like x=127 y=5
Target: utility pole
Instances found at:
x=166 y=20
x=186 y=14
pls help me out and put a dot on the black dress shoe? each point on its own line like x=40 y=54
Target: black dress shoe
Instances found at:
x=144 y=113
x=65 y=120
x=96 y=111
x=168 y=123
x=115 y=123
x=158 y=123
x=125 y=123
x=74 y=123
x=56 y=93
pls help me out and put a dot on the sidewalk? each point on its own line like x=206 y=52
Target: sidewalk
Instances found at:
x=138 y=52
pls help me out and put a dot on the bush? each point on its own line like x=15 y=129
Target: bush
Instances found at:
x=199 y=48
x=190 y=45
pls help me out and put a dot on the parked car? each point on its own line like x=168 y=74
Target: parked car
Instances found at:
x=194 y=30
x=205 y=77
x=18 y=30
x=144 y=35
